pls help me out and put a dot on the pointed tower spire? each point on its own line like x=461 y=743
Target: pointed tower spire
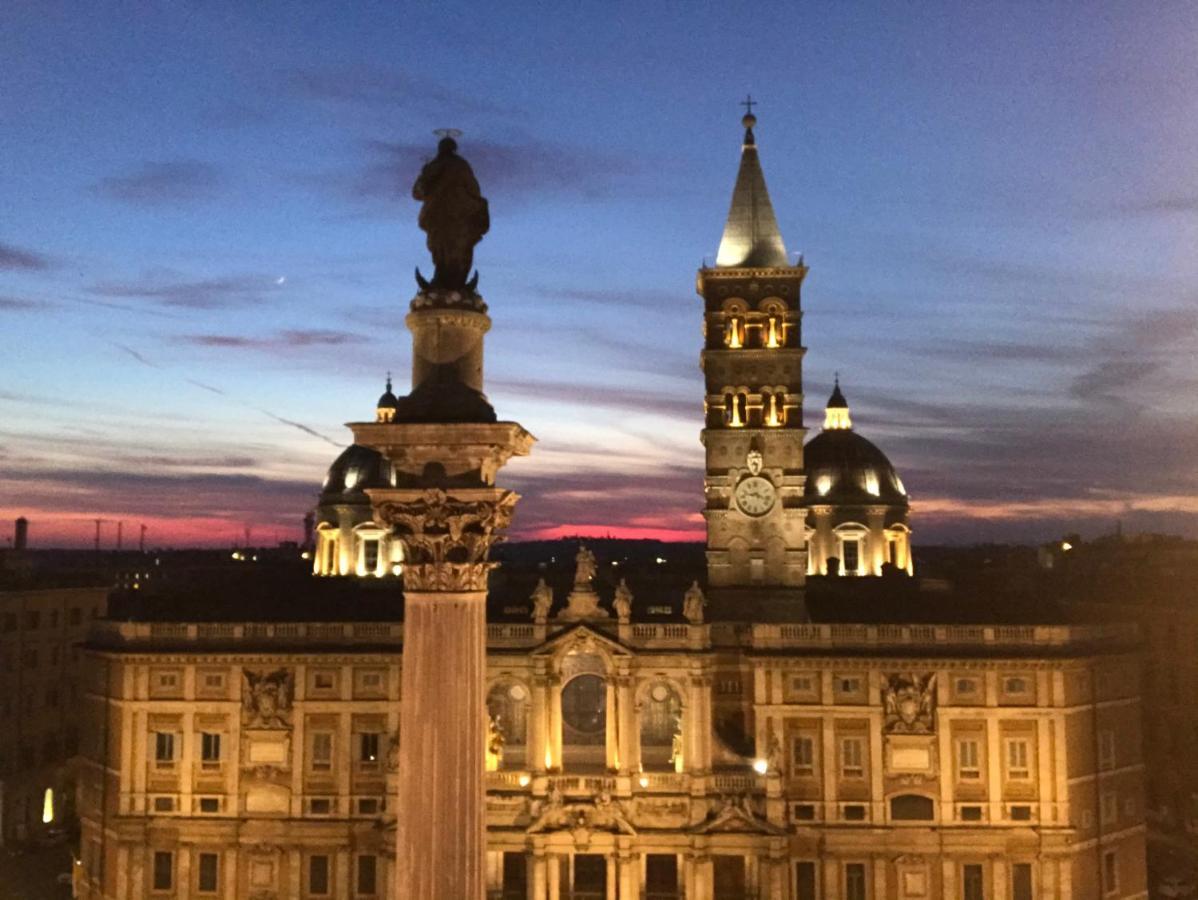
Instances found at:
x=751 y=236
x=836 y=414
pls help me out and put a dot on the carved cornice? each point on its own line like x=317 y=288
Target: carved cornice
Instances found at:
x=447 y=538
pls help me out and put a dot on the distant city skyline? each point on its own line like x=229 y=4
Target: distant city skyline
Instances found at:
x=207 y=247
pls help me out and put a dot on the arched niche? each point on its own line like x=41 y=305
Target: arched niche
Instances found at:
x=507 y=709
x=660 y=725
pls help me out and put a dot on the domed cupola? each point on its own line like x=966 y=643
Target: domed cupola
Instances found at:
x=348 y=540
x=387 y=405
x=857 y=502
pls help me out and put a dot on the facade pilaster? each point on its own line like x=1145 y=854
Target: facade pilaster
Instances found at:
x=553 y=758
x=538 y=882
x=629 y=737
x=538 y=724
x=629 y=864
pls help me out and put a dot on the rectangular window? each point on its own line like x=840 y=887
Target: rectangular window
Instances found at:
x=318 y=876
x=1108 y=809
x=323 y=681
x=972 y=886
x=209 y=805
x=370 y=555
x=854 y=881
x=1110 y=872
x=1021 y=881
x=368 y=748
x=1015 y=685
x=164 y=749
x=210 y=749
x=968 y=766
x=209 y=872
x=661 y=875
x=852 y=555
x=1106 y=749
x=322 y=751
x=164 y=870
x=368 y=876
x=805 y=880
x=803 y=755
x=852 y=752
x=1017 y=759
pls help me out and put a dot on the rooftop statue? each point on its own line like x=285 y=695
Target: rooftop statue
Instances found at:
x=454 y=215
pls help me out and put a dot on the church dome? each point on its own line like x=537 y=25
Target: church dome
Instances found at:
x=843 y=468
x=387 y=405
x=356 y=469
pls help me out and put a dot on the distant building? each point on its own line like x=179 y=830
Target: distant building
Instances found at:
x=41 y=631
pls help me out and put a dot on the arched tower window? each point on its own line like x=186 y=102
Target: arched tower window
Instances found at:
x=734 y=335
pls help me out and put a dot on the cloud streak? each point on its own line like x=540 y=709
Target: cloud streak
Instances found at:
x=18 y=259
x=163 y=183
x=291 y=339
x=203 y=293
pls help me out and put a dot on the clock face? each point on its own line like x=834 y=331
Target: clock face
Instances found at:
x=755 y=495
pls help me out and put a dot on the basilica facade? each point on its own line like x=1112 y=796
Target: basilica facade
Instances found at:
x=802 y=719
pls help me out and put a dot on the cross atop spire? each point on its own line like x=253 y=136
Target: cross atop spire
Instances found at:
x=748 y=103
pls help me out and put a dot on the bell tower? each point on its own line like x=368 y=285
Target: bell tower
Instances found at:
x=752 y=363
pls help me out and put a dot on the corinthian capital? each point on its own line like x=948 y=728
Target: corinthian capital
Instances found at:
x=447 y=538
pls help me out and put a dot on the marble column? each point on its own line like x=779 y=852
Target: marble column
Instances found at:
x=442 y=791
x=440 y=810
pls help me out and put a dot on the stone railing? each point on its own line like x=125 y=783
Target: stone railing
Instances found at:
x=119 y=633
x=869 y=636
x=640 y=635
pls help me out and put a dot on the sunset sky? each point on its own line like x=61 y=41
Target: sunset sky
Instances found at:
x=207 y=243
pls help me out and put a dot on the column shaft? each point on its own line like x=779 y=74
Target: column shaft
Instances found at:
x=441 y=828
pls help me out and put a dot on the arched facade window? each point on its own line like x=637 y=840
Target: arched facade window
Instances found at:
x=852 y=546
x=507 y=708
x=328 y=550
x=584 y=722
x=661 y=729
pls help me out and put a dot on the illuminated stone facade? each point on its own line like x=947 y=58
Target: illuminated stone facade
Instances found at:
x=660 y=746
x=912 y=760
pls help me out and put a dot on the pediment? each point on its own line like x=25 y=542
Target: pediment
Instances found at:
x=584 y=638
x=734 y=818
